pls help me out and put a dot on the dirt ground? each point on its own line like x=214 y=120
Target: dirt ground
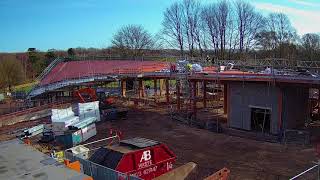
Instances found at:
x=246 y=159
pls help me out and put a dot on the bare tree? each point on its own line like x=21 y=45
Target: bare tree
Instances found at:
x=211 y=25
x=222 y=15
x=227 y=28
x=265 y=41
x=132 y=40
x=173 y=26
x=217 y=19
x=311 y=46
x=285 y=34
x=232 y=34
x=11 y=72
x=249 y=23
x=191 y=23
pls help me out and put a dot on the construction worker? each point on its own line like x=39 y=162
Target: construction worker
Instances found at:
x=189 y=67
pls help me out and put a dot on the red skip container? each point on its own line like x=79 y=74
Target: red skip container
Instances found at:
x=139 y=157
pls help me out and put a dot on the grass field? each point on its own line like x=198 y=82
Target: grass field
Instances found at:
x=25 y=87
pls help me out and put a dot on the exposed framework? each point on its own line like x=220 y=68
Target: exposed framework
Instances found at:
x=276 y=63
x=253 y=63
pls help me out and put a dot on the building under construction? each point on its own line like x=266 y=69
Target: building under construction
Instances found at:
x=174 y=104
x=256 y=96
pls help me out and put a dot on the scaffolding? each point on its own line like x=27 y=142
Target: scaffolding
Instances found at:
x=182 y=111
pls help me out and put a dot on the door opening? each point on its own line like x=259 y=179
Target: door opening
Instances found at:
x=260 y=120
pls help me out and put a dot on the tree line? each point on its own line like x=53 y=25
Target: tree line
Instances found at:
x=224 y=30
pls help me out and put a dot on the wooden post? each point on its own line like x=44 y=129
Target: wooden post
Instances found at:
x=123 y=88
x=161 y=86
x=225 y=98
x=178 y=95
x=141 y=89
x=194 y=96
x=205 y=94
x=167 y=91
x=199 y=85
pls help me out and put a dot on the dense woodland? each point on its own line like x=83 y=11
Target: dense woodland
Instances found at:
x=220 y=30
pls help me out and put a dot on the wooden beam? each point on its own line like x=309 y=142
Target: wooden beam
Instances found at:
x=167 y=91
x=141 y=88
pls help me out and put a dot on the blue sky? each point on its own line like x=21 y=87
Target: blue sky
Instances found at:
x=60 y=24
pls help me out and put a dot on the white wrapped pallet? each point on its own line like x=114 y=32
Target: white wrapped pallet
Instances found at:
x=62 y=125
x=91 y=109
x=58 y=114
x=61 y=119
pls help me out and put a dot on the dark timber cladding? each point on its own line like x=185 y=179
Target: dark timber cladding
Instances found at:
x=267 y=106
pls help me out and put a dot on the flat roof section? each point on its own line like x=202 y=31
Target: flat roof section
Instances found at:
x=21 y=161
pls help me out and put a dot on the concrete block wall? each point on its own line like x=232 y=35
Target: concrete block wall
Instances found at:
x=295 y=107
x=246 y=95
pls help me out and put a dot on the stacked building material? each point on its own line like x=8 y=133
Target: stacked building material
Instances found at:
x=82 y=129
x=88 y=110
x=61 y=119
x=33 y=131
